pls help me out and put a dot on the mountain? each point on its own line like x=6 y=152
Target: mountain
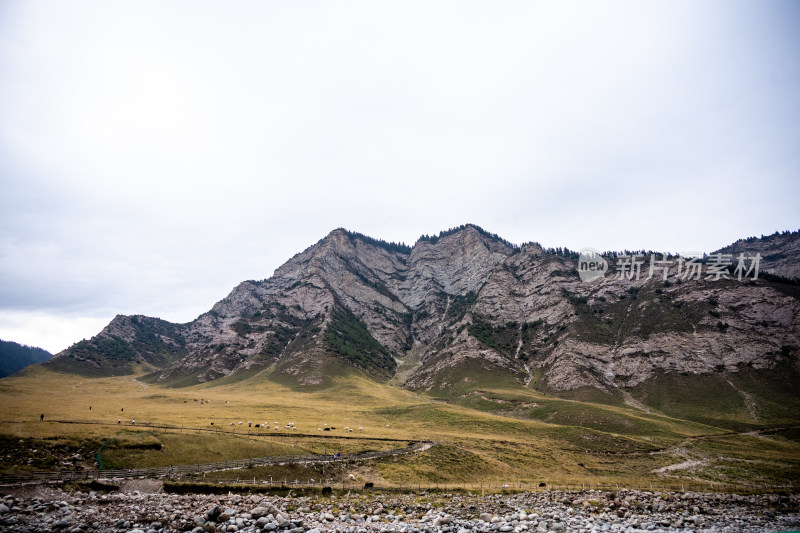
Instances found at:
x=14 y=357
x=465 y=309
x=779 y=250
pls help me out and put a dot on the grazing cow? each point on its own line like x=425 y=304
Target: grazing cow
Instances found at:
x=327 y=429
x=369 y=485
x=542 y=484
x=258 y=425
x=327 y=491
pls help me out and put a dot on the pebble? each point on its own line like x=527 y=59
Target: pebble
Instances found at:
x=432 y=512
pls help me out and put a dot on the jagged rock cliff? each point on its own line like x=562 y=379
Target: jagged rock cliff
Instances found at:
x=462 y=308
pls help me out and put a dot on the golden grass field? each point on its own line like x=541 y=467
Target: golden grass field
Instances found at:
x=500 y=435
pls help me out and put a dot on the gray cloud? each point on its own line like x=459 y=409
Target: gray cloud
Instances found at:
x=154 y=155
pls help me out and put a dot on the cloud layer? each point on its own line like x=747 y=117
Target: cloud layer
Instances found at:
x=153 y=155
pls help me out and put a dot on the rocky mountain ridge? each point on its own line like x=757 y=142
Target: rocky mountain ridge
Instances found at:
x=465 y=308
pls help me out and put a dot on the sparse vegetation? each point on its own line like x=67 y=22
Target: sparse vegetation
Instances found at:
x=349 y=337
x=497 y=432
x=459 y=305
x=502 y=338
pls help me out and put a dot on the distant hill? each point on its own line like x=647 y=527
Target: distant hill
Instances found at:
x=14 y=357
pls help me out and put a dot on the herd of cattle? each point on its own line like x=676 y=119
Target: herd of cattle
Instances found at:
x=289 y=426
x=276 y=425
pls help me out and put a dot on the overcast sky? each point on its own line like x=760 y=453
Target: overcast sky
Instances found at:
x=155 y=154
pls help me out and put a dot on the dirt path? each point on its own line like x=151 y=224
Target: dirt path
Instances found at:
x=177 y=471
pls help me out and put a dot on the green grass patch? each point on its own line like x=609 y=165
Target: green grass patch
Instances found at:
x=349 y=337
x=164 y=449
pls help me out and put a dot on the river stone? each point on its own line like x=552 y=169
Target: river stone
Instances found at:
x=259 y=512
x=214 y=513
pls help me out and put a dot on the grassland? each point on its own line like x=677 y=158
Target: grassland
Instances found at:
x=497 y=434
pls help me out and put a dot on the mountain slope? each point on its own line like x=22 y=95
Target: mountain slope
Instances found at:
x=475 y=311
x=14 y=357
x=127 y=343
x=779 y=250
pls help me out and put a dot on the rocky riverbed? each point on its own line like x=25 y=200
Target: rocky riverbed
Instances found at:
x=45 y=509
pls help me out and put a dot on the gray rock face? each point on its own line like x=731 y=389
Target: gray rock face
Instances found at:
x=467 y=303
x=780 y=253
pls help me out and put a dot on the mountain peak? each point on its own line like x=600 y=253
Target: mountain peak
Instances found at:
x=466 y=229
x=466 y=303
